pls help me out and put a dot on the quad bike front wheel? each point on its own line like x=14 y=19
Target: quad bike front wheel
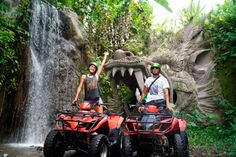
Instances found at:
x=99 y=146
x=115 y=150
x=54 y=145
x=126 y=146
x=180 y=144
x=184 y=139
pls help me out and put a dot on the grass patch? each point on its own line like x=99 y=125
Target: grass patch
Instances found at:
x=214 y=139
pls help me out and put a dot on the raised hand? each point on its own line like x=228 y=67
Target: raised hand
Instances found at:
x=106 y=53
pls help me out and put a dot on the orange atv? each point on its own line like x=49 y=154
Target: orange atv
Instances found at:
x=154 y=132
x=97 y=135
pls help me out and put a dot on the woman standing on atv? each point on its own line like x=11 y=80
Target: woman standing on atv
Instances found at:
x=90 y=83
x=156 y=89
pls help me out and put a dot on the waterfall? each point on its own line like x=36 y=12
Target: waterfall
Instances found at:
x=44 y=47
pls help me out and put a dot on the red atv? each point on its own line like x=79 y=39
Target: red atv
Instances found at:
x=154 y=133
x=97 y=135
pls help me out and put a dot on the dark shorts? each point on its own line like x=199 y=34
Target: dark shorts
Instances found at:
x=95 y=101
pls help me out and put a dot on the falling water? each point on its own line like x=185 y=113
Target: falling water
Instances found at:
x=43 y=65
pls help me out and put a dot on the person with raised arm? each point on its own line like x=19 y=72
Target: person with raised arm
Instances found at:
x=90 y=84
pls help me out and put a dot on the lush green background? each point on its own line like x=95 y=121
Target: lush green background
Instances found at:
x=220 y=31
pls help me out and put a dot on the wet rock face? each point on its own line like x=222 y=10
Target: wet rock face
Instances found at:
x=50 y=76
x=189 y=68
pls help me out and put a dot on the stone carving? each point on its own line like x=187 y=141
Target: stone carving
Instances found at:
x=131 y=70
x=189 y=67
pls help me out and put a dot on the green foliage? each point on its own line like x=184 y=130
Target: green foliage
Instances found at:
x=226 y=75
x=114 y=24
x=105 y=84
x=229 y=111
x=220 y=31
x=194 y=119
x=11 y=34
x=193 y=12
x=165 y=4
x=140 y=29
x=4 y=7
x=212 y=137
x=136 y=46
x=124 y=93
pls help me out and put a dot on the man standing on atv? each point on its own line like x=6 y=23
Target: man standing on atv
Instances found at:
x=156 y=90
x=90 y=83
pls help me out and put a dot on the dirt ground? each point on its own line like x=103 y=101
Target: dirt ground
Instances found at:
x=27 y=152
x=31 y=151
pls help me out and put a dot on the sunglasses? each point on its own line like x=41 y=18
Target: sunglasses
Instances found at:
x=155 y=68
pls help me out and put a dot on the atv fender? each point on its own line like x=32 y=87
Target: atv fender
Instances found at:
x=114 y=121
x=178 y=125
x=182 y=124
x=102 y=122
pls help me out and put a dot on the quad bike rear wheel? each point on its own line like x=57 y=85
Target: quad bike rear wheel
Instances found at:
x=99 y=146
x=54 y=145
x=126 y=146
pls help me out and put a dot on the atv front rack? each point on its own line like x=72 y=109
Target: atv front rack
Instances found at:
x=79 y=121
x=159 y=123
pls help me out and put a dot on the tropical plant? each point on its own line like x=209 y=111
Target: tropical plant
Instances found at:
x=193 y=12
x=229 y=111
x=10 y=34
x=220 y=31
x=114 y=24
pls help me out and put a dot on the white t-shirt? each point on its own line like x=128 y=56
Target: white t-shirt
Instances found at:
x=156 y=90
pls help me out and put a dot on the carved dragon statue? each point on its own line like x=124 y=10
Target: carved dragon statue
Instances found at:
x=188 y=66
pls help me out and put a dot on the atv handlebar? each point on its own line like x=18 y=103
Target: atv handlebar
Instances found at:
x=139 y=106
